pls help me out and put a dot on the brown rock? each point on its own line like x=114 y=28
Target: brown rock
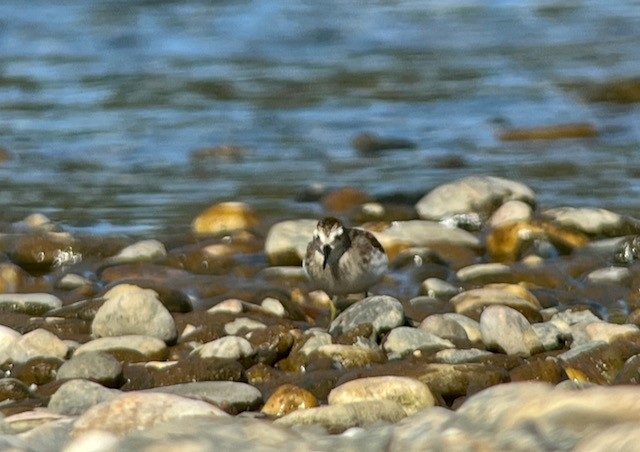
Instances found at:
x=557 y=132
x=597 y=362
x=548 y=370
x=288 y=398
x=225 y=217
x=39 y=253
x=13 y=389
x=38 y=371
x=344 y=200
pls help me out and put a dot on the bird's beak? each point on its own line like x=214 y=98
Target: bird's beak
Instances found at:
x=326 y=250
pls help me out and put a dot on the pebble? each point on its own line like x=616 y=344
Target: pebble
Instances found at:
x=411 y=394
x=149 y=347
x=444 y=327
x=420 y=233
x=37 y=343
x=288 y=398
x=228 y=347
x=144 y=250
x=437 y=288
x=506 y=330
x=224 y=218
x=130 y=310
x=8 y=338
x=338 y=418
x=613 y=275
x=381 y=311
x=243 y=325
x=286 y=242
x=76 y=396
x=473 y=302
x=405 y=340
x=231 y=396
x=511 y=212
x=136 y=411
x=475 y=194
x=29 y=303
x=99 y=367
x=591 y=221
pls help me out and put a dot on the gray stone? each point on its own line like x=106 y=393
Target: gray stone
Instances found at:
x=8 y=338
x=144 y=250
x=231 y=396
x=484 y=272
x=228 y=347
x=98 y=366
x=381 y=311
x=475 y=194
x=405 y=340
x=130 y=310
x=317 y=339
x=613 y=275
x=509 y=331
x=151 y=347
x=471 y=327
x=32 y=303
x=243 y=324
x=437 y=288
x=286 y=242
x=35 y=343
x=338 y=418
x=511 y=212
x=47 y=437
x=137 y=411
x=76 y=396
x=589 y=220
x=551 y=337
x=444 y=327
x=412 y=394
x=453 y=356
x=420 y=233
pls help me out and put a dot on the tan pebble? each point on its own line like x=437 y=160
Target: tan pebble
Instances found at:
x=225 y=217
x=288 y=398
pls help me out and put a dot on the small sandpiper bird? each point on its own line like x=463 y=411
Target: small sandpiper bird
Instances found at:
x=343 y=261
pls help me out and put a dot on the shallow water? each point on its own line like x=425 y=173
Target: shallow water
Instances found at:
x=103 y=103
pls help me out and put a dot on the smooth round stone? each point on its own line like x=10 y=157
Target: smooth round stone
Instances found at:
x=231 y=396
x=232 y=306
x=338 y=418
x=286 y=242
x=471 y=327
x=590 y=220
x=405 y=340
x=608 y=332
x=243 y=325
x=444 y=327
x=99 y=367
x=381 y=311
x=484 y=272
x=437 y=288
x=351 y=356
x=511 y=212
x=508 y=331
x=136 y=411
x=418 y=308
x=8 y=338
x=130 y=310
x=288 y=398
x=273 y=306
x=614 y=275
x=454 y=356
x=479 y=194
x=411 y=394
x=76 y=396
x=420 y=233
x=71 y=281
x=35 y=222
x=38 y=343
x=225 y=217
x=12 y=278
x=42 y=252
x=473 y=302
x=149 y=346
x=228 y=347
x=574 y=316
x=144 y=250
x=29 y=303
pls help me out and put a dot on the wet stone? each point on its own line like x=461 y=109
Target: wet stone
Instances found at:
x=614 y=275
x=437 y=288
x=129 y=310
x=13 y=389
x=74 y=397
x=144 y=250
x=33 y=304
x=224 y=218
x=40 y=252
x=506 y=330
x=473 y=194
x=597 y=362
x=38 y=343
x=592 y=221
x=286 y=243
x=473 y=302
x=288 y=398
x=453 y=356
x=418 y=308
x=231 y=396
x=242 y=326
x=136 y=411
x=147 y=347
x=511 y=212
x=338 y=418
x=410 y=393
x=349 y=356
x=99 y=367
x=39 y=370
x=228 y=347
x=402 y=341
x=381 y=311
x=445 y=328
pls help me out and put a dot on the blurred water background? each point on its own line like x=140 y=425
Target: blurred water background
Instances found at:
x=103 y=104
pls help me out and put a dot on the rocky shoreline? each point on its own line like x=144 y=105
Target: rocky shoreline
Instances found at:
x=500 y=326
